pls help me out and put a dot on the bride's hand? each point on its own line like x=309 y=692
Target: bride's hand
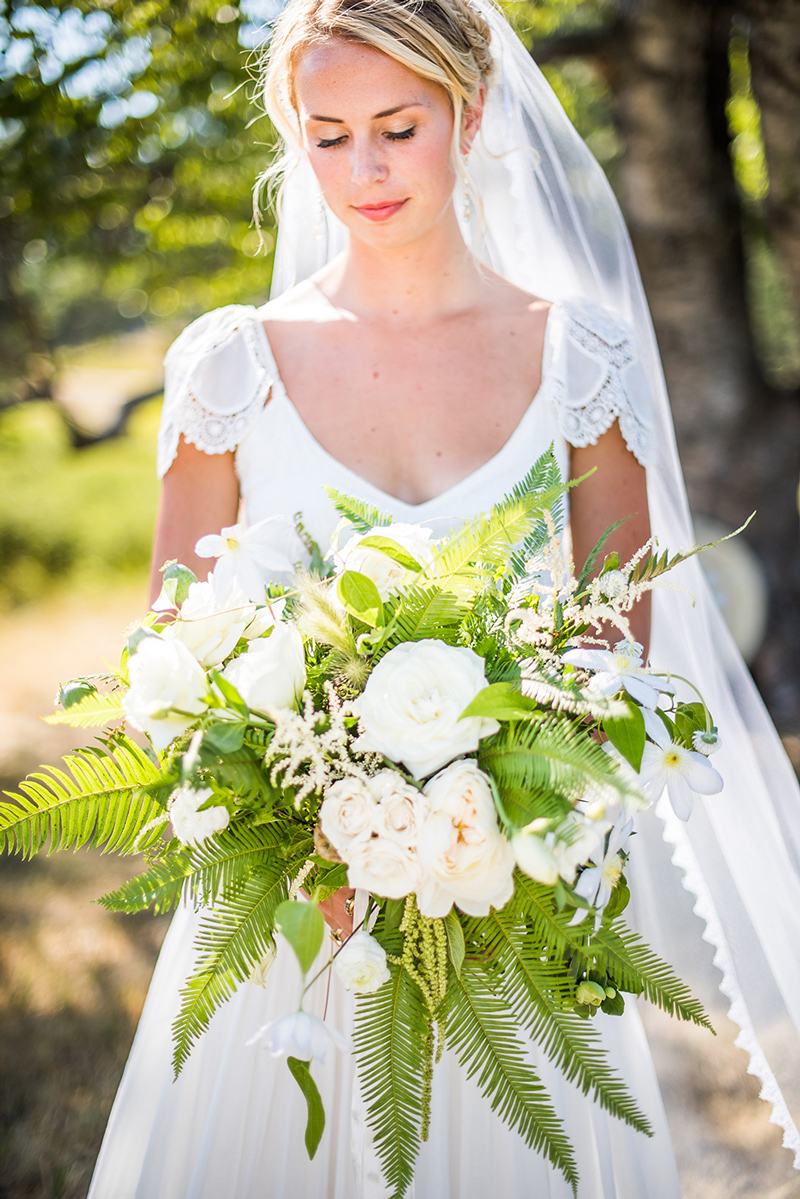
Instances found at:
x=333 y=909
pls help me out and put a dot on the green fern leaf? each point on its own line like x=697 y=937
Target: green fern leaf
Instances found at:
x=93 y=711
x=634 y=967
x=103 y=804
x=479 y=1031
x=389 y=1036
x=361 y=516
x=232 y=938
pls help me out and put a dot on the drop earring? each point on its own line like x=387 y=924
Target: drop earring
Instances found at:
x=466 y=211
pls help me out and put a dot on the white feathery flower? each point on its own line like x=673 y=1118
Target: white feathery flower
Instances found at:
x=300 y=1035
x=705 y=742
x=684 y=772
x=622 y=668
x=252 y=556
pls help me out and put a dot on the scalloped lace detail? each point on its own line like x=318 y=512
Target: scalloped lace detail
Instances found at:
x=605 y=340
x=212 y=430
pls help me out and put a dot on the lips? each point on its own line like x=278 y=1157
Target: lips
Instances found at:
x=380 y=212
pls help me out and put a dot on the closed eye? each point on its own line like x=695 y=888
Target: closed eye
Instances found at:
x=403 y=135
x=327 y=144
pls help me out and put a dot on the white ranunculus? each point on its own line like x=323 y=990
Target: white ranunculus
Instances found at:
x=464 y=857
x=613 y=584
x=387 y=575
x=271 y=673
x=383 y=867
x=190 y=825
x=167 y=692
x=300 y=1035
x=258 y=975
x=361 y=963
x=347 y=814
x=211 y=620
x=253 y=556
x=412 y=702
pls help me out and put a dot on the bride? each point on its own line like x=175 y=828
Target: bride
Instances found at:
x=453 y=292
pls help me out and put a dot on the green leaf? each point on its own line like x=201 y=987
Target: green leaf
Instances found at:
x=229 y=693
x=360 y=597
x=93 y=711
x=176 y=581
x=626 y=733
x=362 y=516
x=456 y=944
x=303 y=926
x=74 y=691
x=226 y=736
x=501 y=701
x=316 y=1112
x=392 y=549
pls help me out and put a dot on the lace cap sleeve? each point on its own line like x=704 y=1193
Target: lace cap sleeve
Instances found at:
x=216 y=382
x=599 y=378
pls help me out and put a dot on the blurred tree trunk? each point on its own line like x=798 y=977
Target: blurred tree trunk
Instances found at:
x=775 y=62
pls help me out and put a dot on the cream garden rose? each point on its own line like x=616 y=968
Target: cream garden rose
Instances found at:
x=411 y=706
x=167 y=692
x=464 y=857
x=347 y=814
x=361 y=963
x=272 y=672
x=387 y=574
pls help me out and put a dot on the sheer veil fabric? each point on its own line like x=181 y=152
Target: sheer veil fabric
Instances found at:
x=548 y=221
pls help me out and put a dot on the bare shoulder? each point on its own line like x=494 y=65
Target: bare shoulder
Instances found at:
x=509 y=302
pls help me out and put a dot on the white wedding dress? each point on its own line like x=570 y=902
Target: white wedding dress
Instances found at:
x=232 y=1125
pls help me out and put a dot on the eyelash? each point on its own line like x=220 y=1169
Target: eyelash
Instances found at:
x=402 y=136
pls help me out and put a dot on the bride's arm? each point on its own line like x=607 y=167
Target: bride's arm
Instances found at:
x=199 y=495
x=616 y=489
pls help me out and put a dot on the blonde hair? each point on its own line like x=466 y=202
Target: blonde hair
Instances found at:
x=444 y=41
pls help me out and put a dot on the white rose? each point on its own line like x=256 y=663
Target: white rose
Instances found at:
x=383 y=867
x=264 y=619
x=212 y=620
x=271 y=673
x=192 y=826
x=400 y=810
x=361 y=964
x=387 y=575
x=412 y=702
x=464 y=857
x=167 y=692
x=347 y=814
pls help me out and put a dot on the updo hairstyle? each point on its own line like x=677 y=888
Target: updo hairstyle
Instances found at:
x=444 y=41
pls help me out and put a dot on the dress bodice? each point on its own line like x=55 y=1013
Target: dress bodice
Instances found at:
x=223 y=392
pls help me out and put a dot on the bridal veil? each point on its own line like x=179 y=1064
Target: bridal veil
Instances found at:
x=548 y=221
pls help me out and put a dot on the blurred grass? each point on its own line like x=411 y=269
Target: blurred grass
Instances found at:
x=73 y=518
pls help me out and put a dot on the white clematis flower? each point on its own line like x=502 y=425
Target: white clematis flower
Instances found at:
x=361 y=963
x=387 y=574
x=707 y=743
x=252 y=556
x=300 y=1035
x=168 y=690
x=191 y=826
x=624 y=668
x=684 y=772
x=211 y=620
x=597 y=882
x=411 y=706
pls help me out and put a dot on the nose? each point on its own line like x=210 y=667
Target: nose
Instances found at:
x=367 y=165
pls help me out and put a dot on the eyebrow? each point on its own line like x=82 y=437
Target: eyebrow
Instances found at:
x=389 y=112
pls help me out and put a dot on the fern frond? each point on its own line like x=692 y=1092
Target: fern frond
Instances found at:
x=479 y=1031
x=103 y=804
x=424 y=611
x=549 y=926
x=160 y=887
x=634 y=967
x=362 y=516
x=564 y=696
x=389 y=1036
x=235 y=935
x=93 y=711
x=533 y=988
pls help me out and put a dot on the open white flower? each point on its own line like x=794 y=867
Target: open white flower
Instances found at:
x=191 y=826
x=361 y=963
x=464 y=857
x=271 y=673
x=624 y=668
x=211 y=620
x=387 y=574
x=300 y=1035
x=411 y=705
x=253 y=556
x=167 y=692
x=684 y=772
x=383 y=867
x=597 y=881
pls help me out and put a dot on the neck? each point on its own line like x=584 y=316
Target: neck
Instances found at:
x=432 y=277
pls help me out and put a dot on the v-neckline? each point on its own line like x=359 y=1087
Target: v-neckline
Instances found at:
x=280 y=393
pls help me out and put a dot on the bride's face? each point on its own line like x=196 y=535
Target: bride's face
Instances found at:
x=379 y=139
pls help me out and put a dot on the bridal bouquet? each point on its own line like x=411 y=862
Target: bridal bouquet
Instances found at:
x=436 y=723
